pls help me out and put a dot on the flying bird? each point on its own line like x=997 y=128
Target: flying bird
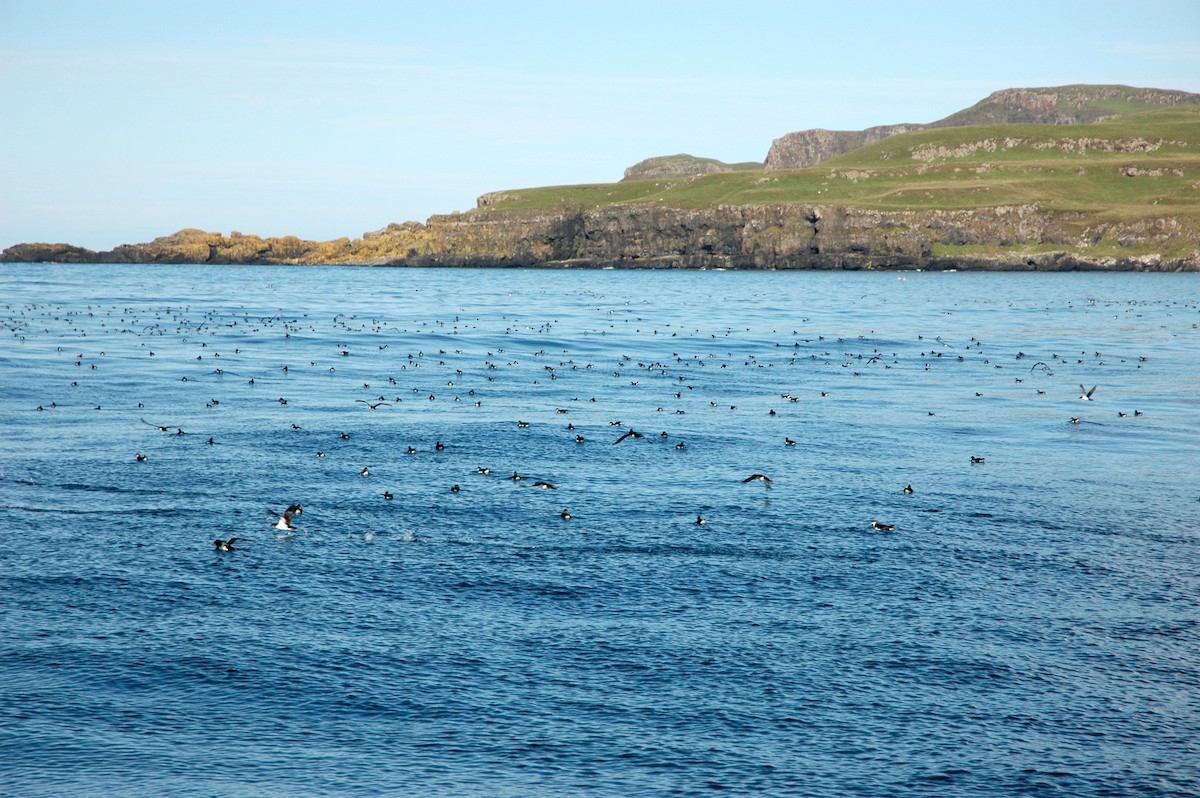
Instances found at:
x=285 y=520
x=630 y=434
x=1085 y=394
x=763 y=478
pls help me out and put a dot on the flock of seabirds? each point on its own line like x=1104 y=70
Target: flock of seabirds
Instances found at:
x=191 y=334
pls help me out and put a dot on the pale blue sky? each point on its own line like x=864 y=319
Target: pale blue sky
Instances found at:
x=123 y=120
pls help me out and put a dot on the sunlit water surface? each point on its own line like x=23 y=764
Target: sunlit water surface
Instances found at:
x=1030 y=627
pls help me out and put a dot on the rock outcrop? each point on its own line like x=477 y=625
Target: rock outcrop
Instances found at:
x=681 y=166
x=806 y=148
x=786 y=236
x=1063 y=105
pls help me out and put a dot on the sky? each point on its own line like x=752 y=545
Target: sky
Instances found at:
x=125 y=120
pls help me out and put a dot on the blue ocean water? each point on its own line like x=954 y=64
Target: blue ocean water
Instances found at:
x=1030 y=627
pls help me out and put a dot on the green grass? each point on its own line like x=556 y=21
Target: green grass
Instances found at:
x=1027 y=164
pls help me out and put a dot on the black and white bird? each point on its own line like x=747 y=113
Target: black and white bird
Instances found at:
x=1085 y=394
x=763 y=478
x=630 y=434
x=226 y=545
x=285 y=520
x=878 y=527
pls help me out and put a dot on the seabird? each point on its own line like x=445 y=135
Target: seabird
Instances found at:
x=141 y=458
x=226 y=545
x=975 y=459
x=455 y=488
x=878 y=527
x=763 y=478
x=630 y=434
x=1085 y=394
x=487 y=472
x=365 y=473
x=788 y=442
x=908 y=489
x=701 y=520
x=564 y=515
x=285 y=520
x=545 y=486
x=387 y=495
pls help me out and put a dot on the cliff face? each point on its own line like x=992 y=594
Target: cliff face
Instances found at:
x=724 y=236
x=799 y=237
x=1063 y=105
x=805 y=148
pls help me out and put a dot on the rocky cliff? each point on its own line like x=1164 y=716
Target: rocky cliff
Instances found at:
x=1063 y=105
x=790 y=236
x=682 y=165
x=806 y=148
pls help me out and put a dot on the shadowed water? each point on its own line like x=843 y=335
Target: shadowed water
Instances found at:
x=1029 y=628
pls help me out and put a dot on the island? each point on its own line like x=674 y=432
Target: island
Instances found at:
x=1044 y=179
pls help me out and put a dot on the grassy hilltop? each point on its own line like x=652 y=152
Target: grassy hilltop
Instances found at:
x=1137 y=166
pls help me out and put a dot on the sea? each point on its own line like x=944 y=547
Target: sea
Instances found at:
x=536 y=555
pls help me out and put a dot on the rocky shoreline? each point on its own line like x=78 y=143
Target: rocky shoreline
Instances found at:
x=766 y=237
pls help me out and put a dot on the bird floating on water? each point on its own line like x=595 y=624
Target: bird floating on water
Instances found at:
x=878 y=527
